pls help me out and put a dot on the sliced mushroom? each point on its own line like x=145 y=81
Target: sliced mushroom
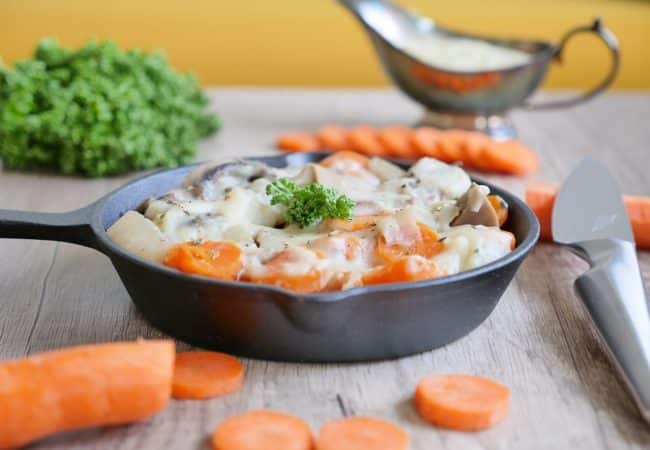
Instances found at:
x=306 y=176
x=242 y=171
x=476 y=209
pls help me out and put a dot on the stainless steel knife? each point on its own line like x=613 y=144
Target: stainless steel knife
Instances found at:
x=589 y=217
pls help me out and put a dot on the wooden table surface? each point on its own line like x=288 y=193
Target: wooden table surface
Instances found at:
x=538 y=340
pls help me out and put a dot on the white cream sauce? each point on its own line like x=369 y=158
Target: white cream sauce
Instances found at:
x=463 y=54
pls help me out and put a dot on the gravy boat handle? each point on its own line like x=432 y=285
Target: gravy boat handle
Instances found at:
x=612 y=43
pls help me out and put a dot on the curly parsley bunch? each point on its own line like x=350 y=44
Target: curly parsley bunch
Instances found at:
x=99 y=111
x=309 y=204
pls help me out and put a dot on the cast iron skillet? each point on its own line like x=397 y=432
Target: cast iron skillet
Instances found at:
x=360 y=324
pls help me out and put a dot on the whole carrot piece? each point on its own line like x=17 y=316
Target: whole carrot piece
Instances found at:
x=81 y=387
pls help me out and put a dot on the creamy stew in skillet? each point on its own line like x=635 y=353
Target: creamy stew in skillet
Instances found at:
x=347 y=221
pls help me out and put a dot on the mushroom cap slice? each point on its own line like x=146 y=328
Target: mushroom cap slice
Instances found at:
x=476 y=209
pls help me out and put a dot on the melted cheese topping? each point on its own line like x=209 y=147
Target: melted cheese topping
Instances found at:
x=229 y=203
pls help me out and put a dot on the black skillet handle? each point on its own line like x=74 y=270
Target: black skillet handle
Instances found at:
x=72 y=226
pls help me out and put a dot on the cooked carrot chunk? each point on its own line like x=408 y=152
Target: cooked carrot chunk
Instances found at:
x=344 y=156
x=215 y=259
x=426 y=243
x=409 y=268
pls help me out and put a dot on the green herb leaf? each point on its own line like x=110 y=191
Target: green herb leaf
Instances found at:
x=309 y=204
x=99 y=111
x=281 y=191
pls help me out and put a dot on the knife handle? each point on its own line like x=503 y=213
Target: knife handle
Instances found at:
x=613 y=294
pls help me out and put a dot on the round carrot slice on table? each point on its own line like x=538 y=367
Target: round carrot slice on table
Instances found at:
x=364 y=139
x=215 y=259
x=298 y=142
x=361 y=433
x=425 y=142
x=510 y=157
x=199 y=375
x=262 y=430
x=472 y=151
x=333 y=137
x=451 y=144
x=397 y=142
x=461 y=402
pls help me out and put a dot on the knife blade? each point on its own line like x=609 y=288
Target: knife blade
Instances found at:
x=589 y=217
x=589 y=206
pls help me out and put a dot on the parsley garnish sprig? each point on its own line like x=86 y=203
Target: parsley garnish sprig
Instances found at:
x=309 y=204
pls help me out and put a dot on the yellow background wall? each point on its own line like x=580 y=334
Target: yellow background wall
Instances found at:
x=316 y=42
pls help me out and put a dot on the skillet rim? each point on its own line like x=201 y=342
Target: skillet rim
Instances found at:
x=519 y=253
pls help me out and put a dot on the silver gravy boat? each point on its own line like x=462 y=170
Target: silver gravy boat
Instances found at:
x=474 y=100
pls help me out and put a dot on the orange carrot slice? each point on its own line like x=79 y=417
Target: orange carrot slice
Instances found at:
x=425 y=142
x=364 y=140
x=356 y=223
x=361 y=433
x=472 y=151
x=500 y=206
x=81 y=387
x=307 y=283
x=262 y=430
x=338 y=245
x=333 y=137
x=298 y=142
x=199 y=375
x=461 y=402
x=276 y=274
x=510 y=157
x=215 y=259
x=427 y=244
x=410 y=268
x=638 y=211
x=397 y=142
x=344 y=157
x=451 y=144
x=540 y=197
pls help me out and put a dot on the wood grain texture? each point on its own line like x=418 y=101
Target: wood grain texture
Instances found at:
x=538 y=340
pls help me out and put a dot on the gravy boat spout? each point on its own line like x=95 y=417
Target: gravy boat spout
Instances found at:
x=464 y=80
